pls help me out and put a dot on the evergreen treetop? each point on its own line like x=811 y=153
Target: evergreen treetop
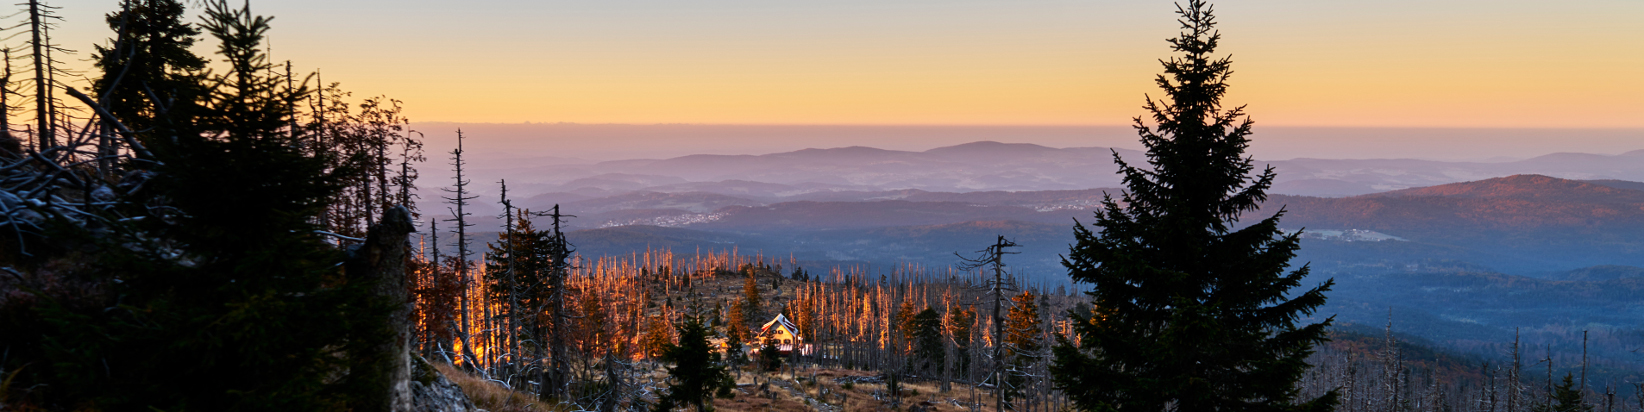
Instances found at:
x=1566 y=397
x=247 y=99
x=752 y=307
x=1023 y=329
x=149 y=54
x=1190 y=310
x=924 y=333
x=697 y=374
x=737 y=321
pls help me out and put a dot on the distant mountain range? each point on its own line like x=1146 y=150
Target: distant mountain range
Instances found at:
x=993 y=166
x=1526 y=224
x=689 y=189
x=1519 y=203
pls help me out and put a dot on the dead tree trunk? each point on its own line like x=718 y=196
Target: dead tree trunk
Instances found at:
x=383 y=361
x=43 y=133
x=463 y=277
x=554 y=380
x=10 y=146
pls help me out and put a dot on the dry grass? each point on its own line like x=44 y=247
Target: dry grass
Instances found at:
x=489 y=395
x=825 y=395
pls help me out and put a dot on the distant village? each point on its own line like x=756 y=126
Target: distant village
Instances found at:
x=1348 y=235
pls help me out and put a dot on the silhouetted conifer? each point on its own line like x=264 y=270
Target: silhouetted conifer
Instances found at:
x=223 y=296
x=735 y=350
x=147 y=67
x=1190 y=312
x=1566 y=397
x=770 y=357
x=516 y=268
x=925 y=332
x=697 y=374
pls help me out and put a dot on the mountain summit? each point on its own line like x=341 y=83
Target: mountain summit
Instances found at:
x=1528 y=187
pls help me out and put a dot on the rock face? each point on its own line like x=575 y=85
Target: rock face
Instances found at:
x=431 y=392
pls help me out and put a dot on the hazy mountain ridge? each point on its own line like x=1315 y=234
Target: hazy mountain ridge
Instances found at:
x=993 y=166
x=808 y=215
x=1601 y=273
x=1003 y=171
x=973 y=166
x=1519 y=203
x=1521 y=224
x=699 y=202
x=1530 y=186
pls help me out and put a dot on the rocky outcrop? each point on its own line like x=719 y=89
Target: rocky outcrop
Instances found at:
x=431 y=392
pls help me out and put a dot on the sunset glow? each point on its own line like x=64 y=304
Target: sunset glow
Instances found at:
x=1391 y=63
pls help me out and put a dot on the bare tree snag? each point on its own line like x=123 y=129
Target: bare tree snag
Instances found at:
x=385 y=364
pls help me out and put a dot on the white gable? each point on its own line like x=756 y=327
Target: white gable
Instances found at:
x=780 y=322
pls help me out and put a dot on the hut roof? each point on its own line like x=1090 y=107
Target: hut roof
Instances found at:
x=782 y=322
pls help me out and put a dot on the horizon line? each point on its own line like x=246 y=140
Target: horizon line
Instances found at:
x=1258 y=125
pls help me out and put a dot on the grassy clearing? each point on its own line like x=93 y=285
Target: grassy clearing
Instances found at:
x=491 y=396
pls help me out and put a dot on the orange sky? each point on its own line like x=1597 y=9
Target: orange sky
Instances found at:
x=1394 y=63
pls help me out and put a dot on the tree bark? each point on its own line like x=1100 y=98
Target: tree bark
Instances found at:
x=383 y=365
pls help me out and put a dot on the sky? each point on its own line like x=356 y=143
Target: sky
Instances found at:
x=1301 y=63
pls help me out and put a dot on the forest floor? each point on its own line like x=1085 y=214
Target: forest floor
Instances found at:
x=807 y=389
x=838 y=390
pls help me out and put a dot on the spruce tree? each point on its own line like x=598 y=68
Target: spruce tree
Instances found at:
x=146 y=67
x=770 y=356
x=925 y=334
x=1023 y=342
x=697 y=375
x=736 y=352
x=961 y=322
x=752 y=308
x=1023 y=328
x=1191 y=311
x=515 y=270
x=222 y=296
x=737 y=320
x=656 y=338
x=1566 y=397
x=903 y=325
